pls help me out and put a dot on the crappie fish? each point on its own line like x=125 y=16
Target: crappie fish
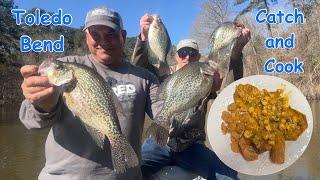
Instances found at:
x=180 y=92
x=221 y=43
x=158 y=45
x=91 y=99
x=224 y=36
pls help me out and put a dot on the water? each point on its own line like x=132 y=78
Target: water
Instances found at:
x=308 y=165
x=22 y=151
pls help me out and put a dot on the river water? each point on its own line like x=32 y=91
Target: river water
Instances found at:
x=22 y=150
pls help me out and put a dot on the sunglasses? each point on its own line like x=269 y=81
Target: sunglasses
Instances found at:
x=184 y=52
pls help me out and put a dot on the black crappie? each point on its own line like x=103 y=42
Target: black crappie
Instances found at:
x=222 y=42
x=90 y=98
x=158 y=45
x=224 y=36
x=180 y=92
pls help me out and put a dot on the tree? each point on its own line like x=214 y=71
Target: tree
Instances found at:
x=257 y=4
x=306 y=6
x=80 y=46
x=9 y=32
x=212 y=14
x=129 y=46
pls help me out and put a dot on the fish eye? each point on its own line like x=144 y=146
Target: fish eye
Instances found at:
x=58 y=66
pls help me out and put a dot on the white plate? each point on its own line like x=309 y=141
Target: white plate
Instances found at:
x=262 y=166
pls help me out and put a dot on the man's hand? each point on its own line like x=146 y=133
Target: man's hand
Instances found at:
x=145 y=23
x=241 y=42
x=37 y=89
x=217 y=81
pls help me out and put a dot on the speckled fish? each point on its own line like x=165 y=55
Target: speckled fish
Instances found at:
x=158 y=44
x=91 y=99
x=221 y=43
x=224 y=35
x=180 y=92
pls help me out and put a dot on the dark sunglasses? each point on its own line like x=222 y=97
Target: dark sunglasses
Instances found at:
x=184 y=52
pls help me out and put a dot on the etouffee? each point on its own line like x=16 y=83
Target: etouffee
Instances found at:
x=260 y=121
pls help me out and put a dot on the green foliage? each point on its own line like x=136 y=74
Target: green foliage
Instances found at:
x=129 y=47
x=9 y=32
x=79 y=42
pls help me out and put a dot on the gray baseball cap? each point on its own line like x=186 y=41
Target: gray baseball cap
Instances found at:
x=103 y=16
x=188 y=43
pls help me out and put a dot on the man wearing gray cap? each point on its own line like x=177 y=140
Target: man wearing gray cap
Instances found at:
x=70 y=151
x=185 y=147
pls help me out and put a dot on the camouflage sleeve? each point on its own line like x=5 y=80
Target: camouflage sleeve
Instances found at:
x=235 y=71
x=139 y=56
x=236 y=66
x=153 y=104
x=32 y=118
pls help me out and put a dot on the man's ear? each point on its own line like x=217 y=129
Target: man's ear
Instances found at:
x=176 y=57
x=124 y=35
x=86 y=34
x=198 y=56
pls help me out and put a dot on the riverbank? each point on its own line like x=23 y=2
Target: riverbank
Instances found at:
x=10 y=86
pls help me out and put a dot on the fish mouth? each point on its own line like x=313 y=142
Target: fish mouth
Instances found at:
x=238 y=25
x=155 y=16
x=45 y=66
x=156 y=21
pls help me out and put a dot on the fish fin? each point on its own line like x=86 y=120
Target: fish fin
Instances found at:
x=158 y=133
x=211 y=43
x=170 y=59
x=209 y=68
x=187 y=115
x=123 y=155
x=181 y=120
x=169 y=47
x=163 y=69
x=96 y=135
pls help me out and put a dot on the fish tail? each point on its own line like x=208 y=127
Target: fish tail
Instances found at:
x=123 y=155
x=159 y=133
